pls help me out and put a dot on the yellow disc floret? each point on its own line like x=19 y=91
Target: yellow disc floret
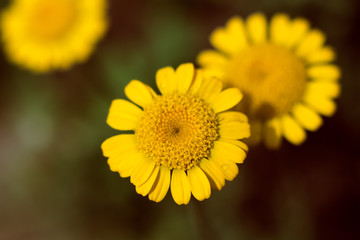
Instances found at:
x=177 y=131
x=272 y=79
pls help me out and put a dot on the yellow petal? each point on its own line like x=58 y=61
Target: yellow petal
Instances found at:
x=123 y=115
x=312 y=42
x=210 y=88
x=127 y=165
x=116 y=160
x=279 y=29
x=309 y=119
x=327 y=89
x=139 y=93
x=257 y=28
x=322 y=55
x=184 y=77
x=213 y=173
x=161 y=185
x=197 y=83
x=227 y=151
x=211 y=58
x=199 y=184
x=238 y=143
x=328 y=71
x=272 y=133
x=229 y=169
x=292 y=131
x=226 y=100
x=231 y=116
x=209 y=73
x=234 y=130
x=298 y=29
x=320 y=103
x=142 y=171
x=166 y=80
x=145 y=188
x=118 y=143
x=180 y=188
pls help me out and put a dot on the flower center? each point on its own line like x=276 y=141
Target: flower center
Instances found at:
x=177 y=131
x=271 y=77
x=51 y=19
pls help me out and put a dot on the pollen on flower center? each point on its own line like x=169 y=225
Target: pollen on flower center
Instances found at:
x=271 y=77
x=177 y=131
x=50 y=19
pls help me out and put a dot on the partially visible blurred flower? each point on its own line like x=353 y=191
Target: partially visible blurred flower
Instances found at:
x=282 y=69
x=183 y=138
x=46 y=35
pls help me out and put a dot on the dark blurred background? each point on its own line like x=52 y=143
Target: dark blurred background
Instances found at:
x=55 y=183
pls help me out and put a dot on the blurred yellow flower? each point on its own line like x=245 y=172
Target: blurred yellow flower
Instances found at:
x=183 y=138
x=282 y=69
x=46 y=35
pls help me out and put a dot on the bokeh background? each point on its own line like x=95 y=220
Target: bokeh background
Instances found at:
x=55 y=183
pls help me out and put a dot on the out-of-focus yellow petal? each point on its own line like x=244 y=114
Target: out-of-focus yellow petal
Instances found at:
x=298 y=29
x=279 y=29
x=323 y=88
x=272 y=133
x=292 y=131
x=322 y=55
x=235 y=28
x=320 y=103
x=329 y=71
x=313 y=41
x=257 y=28
x=211 y=58
x=309 y=119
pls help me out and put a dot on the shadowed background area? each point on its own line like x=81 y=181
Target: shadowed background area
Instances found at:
x=55 y=183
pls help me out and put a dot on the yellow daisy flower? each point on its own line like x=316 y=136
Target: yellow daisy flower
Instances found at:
x=183 y=138
x=283 y=70
x=45 y=35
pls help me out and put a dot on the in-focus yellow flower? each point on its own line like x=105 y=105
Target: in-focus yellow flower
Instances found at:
x=183 y=138
x=45 y=35
x=282 y=69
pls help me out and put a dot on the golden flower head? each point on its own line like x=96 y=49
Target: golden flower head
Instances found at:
x=46 y=35
x=283 y=70
x=183 y=138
